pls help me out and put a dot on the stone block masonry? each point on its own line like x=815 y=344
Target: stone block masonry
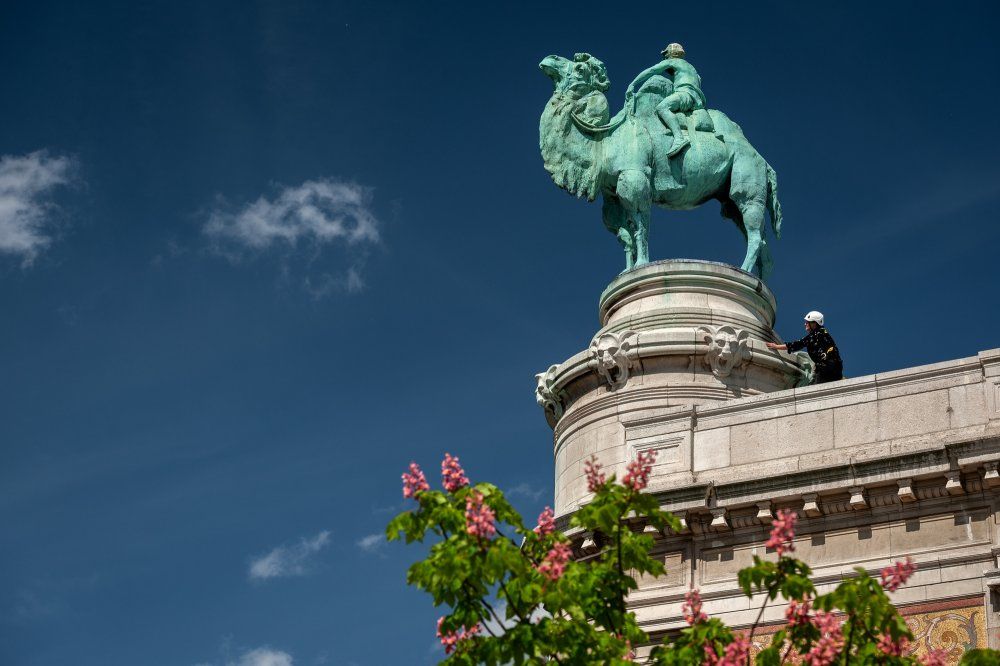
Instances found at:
x=878 y=467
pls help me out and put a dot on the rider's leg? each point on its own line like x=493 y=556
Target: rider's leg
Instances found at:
x=665 y=110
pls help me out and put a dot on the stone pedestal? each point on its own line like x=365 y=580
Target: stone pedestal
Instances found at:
x=674 y=334
x=881 y=467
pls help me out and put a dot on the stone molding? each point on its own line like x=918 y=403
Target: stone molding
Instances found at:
x=659 y=279
x=706 y=515
x=742 y=410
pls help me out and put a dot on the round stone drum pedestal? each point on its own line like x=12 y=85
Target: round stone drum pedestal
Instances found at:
x=675 y=334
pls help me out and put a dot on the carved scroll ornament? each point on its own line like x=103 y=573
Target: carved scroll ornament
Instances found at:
x=547 y=395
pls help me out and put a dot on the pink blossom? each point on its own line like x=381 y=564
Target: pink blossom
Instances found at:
x=692 y=608
x=451 y=639
x=595 y=477
x=736 y=652
x=554 y=564
x=824 y=651
x=414 y=481
x=797 y=613
x=479 y=517
x=934 y=658
x=893 y=648
x=783 y=532
x=546 y=522
x=897 y=574
x=637 y=472
x=452 y=475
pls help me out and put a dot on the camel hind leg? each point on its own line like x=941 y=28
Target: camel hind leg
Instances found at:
x=748 y=190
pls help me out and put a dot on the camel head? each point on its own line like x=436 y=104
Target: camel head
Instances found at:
x=577 y=77
x=572 y=158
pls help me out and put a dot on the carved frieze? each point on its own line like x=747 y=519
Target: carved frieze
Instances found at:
x=612 y=355
x=728 y=349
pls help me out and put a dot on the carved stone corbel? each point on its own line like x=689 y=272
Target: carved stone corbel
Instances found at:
x=991 y=477
x=547 y=395
x=612 y=355
x=811 y=505
x=719 y=522
x=728 y=349
x=905 y=492
x=858 y=500
x=954 y=482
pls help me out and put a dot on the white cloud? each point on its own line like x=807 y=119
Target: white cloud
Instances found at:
x=264 y=657
x=303 y=219
x=288 y=560
x=371 y=543
x=26 y=184
x=497 y=628
x=527 y=491
x=319 y=211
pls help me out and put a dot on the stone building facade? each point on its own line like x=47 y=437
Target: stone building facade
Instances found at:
x=878 y=467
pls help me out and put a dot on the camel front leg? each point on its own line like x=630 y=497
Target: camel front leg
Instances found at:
x=617 y=223
x=635 y=193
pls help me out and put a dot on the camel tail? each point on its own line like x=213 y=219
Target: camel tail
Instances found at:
x=773 y=205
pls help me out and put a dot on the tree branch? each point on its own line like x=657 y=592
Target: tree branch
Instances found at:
x=847 y=644
x=753 y=628
x=506 y=594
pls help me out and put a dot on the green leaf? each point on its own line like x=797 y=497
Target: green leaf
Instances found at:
x=770 y=656
x=980 y=657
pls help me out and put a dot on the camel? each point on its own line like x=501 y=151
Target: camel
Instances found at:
x=624 y=159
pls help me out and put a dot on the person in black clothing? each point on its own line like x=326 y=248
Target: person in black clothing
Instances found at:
x=821 y=349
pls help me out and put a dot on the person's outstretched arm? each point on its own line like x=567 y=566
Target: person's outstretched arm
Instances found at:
x=645 y=75
x=792 y=346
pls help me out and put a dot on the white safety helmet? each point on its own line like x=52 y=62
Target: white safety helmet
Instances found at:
x=815 y=316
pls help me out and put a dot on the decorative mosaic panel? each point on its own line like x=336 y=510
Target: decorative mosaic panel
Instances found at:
x=948 y=626
x=954 y=626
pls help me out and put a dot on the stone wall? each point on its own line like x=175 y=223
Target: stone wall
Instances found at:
x=878 y=468
x=937 y=419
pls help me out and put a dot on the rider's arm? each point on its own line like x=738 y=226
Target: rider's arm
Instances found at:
x=645 y=75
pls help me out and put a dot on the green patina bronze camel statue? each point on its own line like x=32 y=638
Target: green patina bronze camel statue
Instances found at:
x=633 y=160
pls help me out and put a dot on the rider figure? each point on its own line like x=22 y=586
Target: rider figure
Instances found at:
x=686 y=97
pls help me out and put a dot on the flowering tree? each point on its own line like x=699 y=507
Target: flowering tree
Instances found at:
x=517 y=595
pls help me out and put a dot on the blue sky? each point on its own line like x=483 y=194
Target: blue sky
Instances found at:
x=255 y=257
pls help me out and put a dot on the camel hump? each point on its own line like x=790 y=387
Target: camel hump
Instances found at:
x=702 y=120
x=725 y=126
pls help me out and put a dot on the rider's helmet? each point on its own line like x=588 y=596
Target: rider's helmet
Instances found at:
x=673 y=50
x=815 y=316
